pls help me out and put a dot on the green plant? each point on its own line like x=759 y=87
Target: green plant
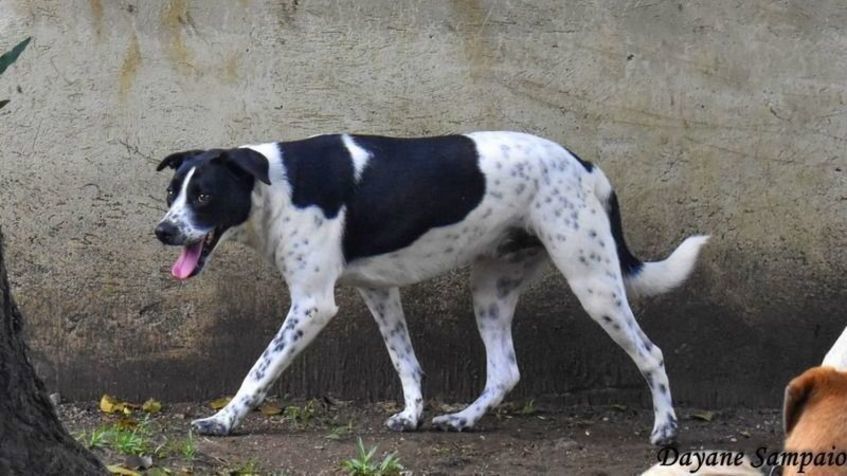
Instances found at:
x=130 y=441
x=135 y=440
x=250 y=468
x=340 y=432
x=10 y=57
x=96 y=439
x=528 y=408
x=364 y=465
x=301 y=415
x=188 y=448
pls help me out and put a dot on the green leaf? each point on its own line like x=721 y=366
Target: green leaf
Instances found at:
x=12 y=55
x=3 y=103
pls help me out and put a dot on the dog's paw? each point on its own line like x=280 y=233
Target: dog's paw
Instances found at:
x=452 y=422
x=665 y=434
x=402 y=422
x=210 y=426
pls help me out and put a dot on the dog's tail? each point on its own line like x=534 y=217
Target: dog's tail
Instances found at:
x=650 y=278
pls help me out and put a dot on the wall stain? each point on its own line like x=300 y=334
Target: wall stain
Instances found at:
x=175 y=18
x=473 y=17
x=97 y=12
x=129 y=68
x=230 y=68
x=287 y=10
x=472 y=21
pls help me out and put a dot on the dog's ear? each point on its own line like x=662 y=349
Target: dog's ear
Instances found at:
x=249 y=161
x=175 y=160
x=797 y=395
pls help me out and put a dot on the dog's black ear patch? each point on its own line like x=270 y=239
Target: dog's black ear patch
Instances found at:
x=176 y=159
x=250 y=161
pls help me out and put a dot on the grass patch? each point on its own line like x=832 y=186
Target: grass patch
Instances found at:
x=125 y=436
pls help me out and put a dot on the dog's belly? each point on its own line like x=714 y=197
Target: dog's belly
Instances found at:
x=436 y=252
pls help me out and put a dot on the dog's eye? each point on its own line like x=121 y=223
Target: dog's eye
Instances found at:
x=204 y=198
x=170 y=193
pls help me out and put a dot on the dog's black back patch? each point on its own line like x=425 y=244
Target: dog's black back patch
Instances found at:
x=320 y=172
x=407 y=187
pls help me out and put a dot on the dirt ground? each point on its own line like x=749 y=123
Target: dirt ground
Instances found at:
x=314 y=437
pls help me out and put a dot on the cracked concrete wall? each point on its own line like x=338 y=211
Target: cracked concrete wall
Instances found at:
x=721 y=117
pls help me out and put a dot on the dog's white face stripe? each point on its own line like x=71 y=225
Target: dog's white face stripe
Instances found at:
x=180 y=213
x=360 y=156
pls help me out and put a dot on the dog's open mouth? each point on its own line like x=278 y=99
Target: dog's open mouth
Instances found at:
x=193 y=256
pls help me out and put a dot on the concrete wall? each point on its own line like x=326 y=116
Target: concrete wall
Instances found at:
x=717 y=116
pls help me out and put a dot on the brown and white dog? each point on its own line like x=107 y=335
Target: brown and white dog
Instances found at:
x=815 y=424
x=815 y=416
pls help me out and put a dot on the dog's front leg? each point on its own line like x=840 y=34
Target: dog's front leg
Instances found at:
x=388 y=312
x=310 y=312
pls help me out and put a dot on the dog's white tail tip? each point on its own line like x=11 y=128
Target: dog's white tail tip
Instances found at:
x=661 y=276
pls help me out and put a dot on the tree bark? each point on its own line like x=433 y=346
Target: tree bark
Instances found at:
x=32 y=439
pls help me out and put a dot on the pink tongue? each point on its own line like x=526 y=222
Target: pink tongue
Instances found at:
x=187 y=261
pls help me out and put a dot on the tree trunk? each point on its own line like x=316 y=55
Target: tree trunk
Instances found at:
x=32 y=440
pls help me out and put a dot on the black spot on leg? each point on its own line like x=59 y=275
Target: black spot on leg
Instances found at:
x=505 y=286
x=494 y=311
x=663 y=388
x=649 y=377
x=672 y=420
x=607 y=318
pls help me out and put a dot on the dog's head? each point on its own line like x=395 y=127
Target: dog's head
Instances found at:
x=209 y=193
x=815 y=416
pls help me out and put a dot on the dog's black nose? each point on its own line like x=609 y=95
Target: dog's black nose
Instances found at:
x=167 y=233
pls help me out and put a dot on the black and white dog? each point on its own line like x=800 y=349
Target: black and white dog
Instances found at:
x=378 y=213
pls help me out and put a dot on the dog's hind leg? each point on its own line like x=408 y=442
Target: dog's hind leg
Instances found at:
x=496 y=284
x=311 y=310
x=384 y=304
x=586 y=256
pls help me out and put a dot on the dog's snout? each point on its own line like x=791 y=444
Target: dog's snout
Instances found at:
x=167 y=233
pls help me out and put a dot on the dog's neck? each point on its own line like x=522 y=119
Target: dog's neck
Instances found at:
x=265 y=203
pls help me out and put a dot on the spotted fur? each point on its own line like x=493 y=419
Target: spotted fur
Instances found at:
x=380 y=213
